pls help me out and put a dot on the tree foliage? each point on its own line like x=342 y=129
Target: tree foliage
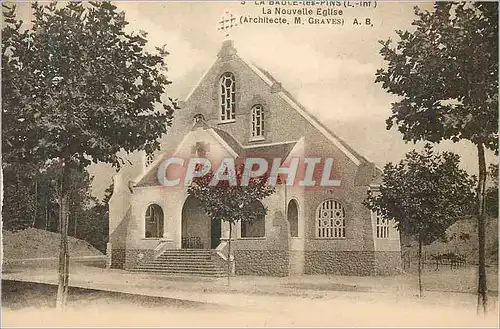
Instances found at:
x=425 y=193
x=229 y=200
x=19 y=204
x=32 y=198
x=446 y=74
x=231 y=203
x=492 y=192
x=78 y=86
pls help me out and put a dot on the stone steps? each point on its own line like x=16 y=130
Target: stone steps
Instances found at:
x=185 y=262
x=181 y=272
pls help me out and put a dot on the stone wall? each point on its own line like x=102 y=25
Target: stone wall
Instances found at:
x=387 y=262
x=222 y=263
x=117 y=258
x=261 y=262
x=135 y=256
x=340 y=262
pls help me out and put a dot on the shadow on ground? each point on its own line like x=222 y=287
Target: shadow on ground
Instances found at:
x=19 y=294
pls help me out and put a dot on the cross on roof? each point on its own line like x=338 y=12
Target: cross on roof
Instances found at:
x=227 y=22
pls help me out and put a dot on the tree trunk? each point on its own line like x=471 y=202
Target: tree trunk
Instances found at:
x=36 y=204
x=46 y=214
x=63 y=269
x=229 y=254
x=481 y=228
x=420 y=265
x=76 y=223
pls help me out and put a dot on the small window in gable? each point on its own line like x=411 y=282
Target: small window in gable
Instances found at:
x=257 y=121
x=198 y=118
x=228 y=97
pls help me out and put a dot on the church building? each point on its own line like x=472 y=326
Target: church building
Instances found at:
x=240 y=110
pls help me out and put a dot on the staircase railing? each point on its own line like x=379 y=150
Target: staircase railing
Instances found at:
x=222 y=251
x=160 y=248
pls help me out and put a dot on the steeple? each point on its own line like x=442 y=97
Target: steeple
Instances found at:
x=227 y=49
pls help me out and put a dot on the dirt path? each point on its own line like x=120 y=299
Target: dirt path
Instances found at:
x=255 y=301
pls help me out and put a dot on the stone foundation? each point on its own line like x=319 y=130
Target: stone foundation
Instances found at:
x=261 y=262
x=222 y=264
x=117 y=258
x=387 y=262
x=359 y=263
x=296 y=262
x=135 y=256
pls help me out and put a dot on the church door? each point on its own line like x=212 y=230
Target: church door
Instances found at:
x=196 y=226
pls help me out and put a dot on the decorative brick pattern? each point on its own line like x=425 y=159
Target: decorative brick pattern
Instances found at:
x=387 y=262
x=118 y=258
x=136 y=256
x=340 y=262
x=261 y=262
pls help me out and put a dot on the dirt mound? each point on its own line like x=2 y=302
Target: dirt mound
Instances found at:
x=461 y=238
x=35 y=243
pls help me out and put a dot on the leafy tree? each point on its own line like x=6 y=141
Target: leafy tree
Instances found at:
x=78 y=88
x=425 y=193
x=231 y=202
x=95 y=221
x=492 y=192
x=47 y=200
x=445 y=73
x=20 y=196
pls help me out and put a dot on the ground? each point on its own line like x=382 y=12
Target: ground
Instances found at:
x=120 y=298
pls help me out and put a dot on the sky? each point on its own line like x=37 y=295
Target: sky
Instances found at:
x=329 y=69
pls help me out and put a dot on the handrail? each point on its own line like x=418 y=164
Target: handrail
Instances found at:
x=160 y=248
x=221 y=250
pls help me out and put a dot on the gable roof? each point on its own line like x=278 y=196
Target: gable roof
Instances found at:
x=230 y=140
x=238 y=151
x=354 y=156
x=315 y=122
x=266 y=151
x=270 y=151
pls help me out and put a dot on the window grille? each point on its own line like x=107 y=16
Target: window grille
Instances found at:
x=228 y=97
x=330 y=220
x=382 y=226
x=257 y=121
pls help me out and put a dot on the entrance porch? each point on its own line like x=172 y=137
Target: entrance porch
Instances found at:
x=198 y=230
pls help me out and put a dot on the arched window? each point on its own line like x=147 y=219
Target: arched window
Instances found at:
x=330 y=220
x=255 y=228
x=293 y=218
x=228 y=97
x=257 y=121
x=154 y=222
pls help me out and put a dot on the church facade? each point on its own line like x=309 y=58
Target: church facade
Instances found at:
x=239 y=110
